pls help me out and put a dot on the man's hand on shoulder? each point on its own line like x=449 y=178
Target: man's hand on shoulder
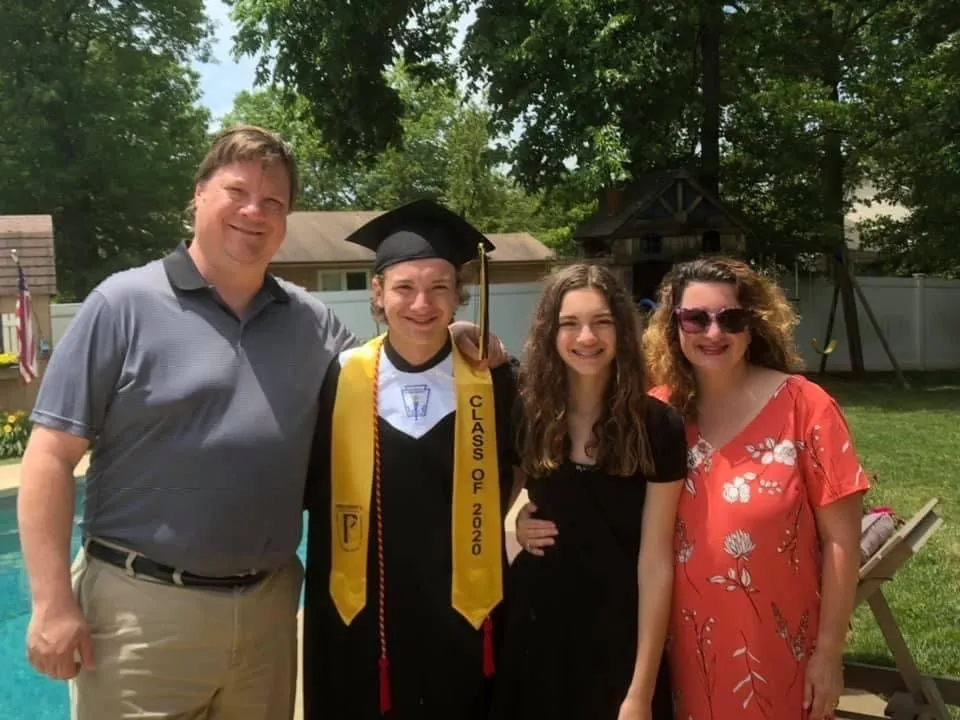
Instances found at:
x=467 y=337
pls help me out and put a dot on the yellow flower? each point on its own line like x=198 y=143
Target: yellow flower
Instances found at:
x=11 y=419
x=7 y=429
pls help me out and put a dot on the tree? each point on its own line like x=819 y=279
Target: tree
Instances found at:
x=444 y=152
x=830 y=78
x=800 y=98
x=917 y=164
x=102 y=127
x=580 y=80
x=417 y=163
x=324 y=184
x=336 y=53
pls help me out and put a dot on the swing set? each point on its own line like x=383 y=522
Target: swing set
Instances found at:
x=846 y=292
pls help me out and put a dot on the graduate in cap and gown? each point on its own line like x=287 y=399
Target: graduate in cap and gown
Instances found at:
x=411 y=477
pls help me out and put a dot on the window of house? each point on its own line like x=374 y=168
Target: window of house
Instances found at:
x=652 y=243
x=356 y=280
x=330 y=282
x=710 y=241
x=337 y=280
x=8 y=332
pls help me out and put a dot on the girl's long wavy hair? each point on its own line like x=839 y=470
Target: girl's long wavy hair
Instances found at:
x=619 y=439
x=771 y=327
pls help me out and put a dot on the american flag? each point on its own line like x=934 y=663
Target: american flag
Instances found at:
x=26 y=338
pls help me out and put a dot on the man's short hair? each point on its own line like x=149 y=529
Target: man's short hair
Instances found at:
x=243 y=143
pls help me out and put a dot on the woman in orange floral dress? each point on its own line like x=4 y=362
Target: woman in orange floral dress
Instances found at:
x=768 y=528
x=768 y=531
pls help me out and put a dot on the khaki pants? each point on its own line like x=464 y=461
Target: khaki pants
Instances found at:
x=174 y=653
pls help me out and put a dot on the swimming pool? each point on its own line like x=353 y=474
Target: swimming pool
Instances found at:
x=24 y=692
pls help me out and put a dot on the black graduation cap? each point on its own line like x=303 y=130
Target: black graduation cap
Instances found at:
x=419 y=230
x=424 y=229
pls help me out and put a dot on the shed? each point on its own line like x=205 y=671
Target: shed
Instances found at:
x=663 y=217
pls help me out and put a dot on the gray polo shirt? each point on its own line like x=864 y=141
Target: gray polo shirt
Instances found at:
x=200 y=422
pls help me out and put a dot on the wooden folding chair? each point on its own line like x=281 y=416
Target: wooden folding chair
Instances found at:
x=923 y=699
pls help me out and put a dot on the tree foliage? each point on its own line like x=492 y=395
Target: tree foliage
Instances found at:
x=324 y=184
x=804 y=125
x=341 y=51
x=814 y=98
x=444 y=152
x=101 y=129
x=609 y=87
x=918 y=165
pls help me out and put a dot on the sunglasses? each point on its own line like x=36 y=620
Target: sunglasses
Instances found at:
x=697 y=320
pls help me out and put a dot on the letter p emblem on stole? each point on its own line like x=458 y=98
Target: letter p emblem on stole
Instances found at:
x=349 y=527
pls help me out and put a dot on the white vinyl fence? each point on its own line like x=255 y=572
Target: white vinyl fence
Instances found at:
x=511 y=307
x=919 y=317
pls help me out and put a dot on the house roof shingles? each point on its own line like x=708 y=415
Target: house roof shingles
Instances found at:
x=32 y=237
x=318 y=238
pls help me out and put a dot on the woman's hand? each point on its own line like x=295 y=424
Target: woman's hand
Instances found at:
x=635 y=708
x=823 y=684
x=532 y=534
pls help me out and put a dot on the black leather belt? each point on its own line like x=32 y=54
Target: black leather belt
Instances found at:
x=139 y=565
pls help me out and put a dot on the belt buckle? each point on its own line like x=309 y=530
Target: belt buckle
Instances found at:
x=241 y=578
x=237 y=580
x=128 y=563
x=130 y=556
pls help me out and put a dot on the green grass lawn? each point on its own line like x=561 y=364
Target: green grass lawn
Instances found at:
x=911 y=440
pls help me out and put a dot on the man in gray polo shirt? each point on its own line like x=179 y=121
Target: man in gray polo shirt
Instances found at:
x=194 y=380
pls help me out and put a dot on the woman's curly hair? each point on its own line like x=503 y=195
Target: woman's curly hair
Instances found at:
x=619 y=439
x=772 y=325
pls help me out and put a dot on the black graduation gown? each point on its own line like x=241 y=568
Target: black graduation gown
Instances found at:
x=571 y=634
x=436 y=656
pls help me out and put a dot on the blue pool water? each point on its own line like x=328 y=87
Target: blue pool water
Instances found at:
x=23 y=692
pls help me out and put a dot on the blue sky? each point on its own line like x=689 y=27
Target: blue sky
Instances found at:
x=221 y=80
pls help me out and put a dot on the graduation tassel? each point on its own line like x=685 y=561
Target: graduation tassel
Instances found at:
x=385 y=701
x=484 y=302
x=488 y=647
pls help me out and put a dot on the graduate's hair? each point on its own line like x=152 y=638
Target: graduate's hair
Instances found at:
x=619 y=440
x=772 y=325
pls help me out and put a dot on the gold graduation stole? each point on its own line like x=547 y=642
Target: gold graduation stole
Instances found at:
x=477 y=541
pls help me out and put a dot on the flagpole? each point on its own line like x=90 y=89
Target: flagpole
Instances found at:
x=26 y=340
x=16 y=264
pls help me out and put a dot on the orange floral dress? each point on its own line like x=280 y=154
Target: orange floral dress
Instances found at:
x=745 y=607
